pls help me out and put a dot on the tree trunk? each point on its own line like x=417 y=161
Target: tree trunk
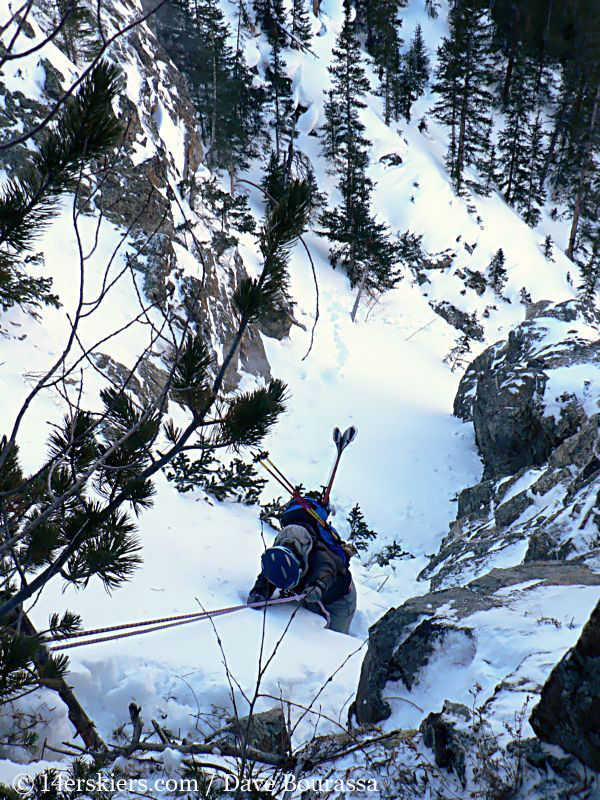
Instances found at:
x=585 y=168
x=80 y=720
x=361 y=287
x=558 y=125
x=512 y=54
x=460 y=155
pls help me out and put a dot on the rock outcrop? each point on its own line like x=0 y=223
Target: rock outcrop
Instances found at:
x=568 y=713
x=496 y=631
x=551 y=513
x=403 y=642
x=529 y=394
x=535 y=405
x=443 y=732
x=467 y=323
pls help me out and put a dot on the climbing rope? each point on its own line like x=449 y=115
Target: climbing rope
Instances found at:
x=158 y=624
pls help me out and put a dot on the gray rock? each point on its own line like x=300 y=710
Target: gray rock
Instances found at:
x=387 y=659
x=508 y=512
x=417 y=649
x=568 y=311
x=146 y=384
x=442 y=733
x=54 y=80
x=502 y=391
x=467 y=323
x=568 y=713
x=472 y=278
x=391 y=159
x=548 y=515
x=475 y=501
x=278 y=323
x=544 y=547
x=266 y=731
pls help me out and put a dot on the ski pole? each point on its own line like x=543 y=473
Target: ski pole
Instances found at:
x=283 y=480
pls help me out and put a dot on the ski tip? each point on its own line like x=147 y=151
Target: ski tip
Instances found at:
x=337 y=435
x=349 y=435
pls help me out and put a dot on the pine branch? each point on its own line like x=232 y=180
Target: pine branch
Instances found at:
x=86 y=131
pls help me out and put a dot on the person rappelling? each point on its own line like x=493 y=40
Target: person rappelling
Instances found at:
x=308 y=557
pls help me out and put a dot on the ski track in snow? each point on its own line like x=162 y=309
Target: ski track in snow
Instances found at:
x=407 y=464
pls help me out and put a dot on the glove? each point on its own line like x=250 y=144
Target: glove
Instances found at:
x=253 y=597
x=313 y=594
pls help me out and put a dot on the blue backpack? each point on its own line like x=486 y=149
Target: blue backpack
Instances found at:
x=295 y=514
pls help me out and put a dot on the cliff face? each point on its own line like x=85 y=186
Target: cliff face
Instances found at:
x=149 y=189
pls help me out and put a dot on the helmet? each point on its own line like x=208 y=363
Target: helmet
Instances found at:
x=281 y=567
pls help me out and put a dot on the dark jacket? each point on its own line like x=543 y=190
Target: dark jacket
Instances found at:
x=325 y=568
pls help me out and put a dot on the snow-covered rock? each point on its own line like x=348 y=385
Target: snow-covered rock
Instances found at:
x=505 y=629
x=541 y=447
x=568 y=713
x=531 y=392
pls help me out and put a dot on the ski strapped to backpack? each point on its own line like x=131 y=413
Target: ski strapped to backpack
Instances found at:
x=341 y=440
x=317 y=510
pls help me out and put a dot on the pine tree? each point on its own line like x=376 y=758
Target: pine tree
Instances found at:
x=535 y=193
x=512 y=142
x=432 y=9
x=548 y=248
x=564 y=149
x=268 y=16
x=360 y=533
x=213 y=33
x=278 y=175
x=272 y=17
x=525 y=296
x=230 y=107
x=589 y=288
x=588 y=241
x=75 y=515
x=488 y=162
x=79 y=33
x=497 y=272
x=521 y=145
x=301 y=25
x=414 y=74
x=360 y=244
x=589 y=147
x=418 y=59
x=283 y=118
x=384 y=44
x=86 y=129
x=462 y=78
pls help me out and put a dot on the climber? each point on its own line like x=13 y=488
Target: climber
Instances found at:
x=308 y=558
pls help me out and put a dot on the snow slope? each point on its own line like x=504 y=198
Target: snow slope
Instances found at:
x=385 y=374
